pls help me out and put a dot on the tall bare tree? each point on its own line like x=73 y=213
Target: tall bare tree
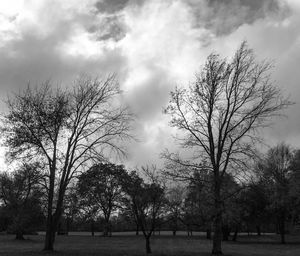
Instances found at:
x=65 y=129
x=219 y=115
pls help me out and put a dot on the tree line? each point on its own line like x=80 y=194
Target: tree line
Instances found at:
x=108 y=197
x=67 y=138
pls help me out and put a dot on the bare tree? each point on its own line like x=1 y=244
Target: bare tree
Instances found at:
x=219 y=115
x=65 y=129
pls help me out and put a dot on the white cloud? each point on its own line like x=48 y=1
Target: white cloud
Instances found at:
x=162 y=49
x=161 y=35
x=278 y=40
x=165 y=43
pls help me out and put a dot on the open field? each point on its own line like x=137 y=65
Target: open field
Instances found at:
x=161 y=245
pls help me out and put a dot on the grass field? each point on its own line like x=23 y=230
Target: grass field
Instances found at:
x=77 y=245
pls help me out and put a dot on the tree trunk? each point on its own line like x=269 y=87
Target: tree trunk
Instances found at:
x=235 y=234
x=282 y=228
x=59 y=229
x=225 y=232
x=19 y=229
x=92 y=228
x=19 y=235
x=106 y=229
x=137 y=229
x=258 y=230
x=50 y=228
x=189 y=230
x=282 y=235
x=50 y=236
x=68 y=225
x=217 y=238
x=174 y=225
x=148 y=248
x=208 y=233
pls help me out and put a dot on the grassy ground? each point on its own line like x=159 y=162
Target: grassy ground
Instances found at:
x=161 y=246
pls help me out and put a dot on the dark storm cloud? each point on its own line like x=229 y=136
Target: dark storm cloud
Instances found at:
x=112 y=27
x=33 y=58
x=224 y=17
x=42 y=63
x=151 y=45
x=113 y=6
x=220 y=16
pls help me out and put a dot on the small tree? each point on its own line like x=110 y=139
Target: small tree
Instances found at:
x=219 y=115
x=146 y=201
x=65 y=129
x=100 y=188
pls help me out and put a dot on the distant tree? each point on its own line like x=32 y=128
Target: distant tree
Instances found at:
x=65 y=129
x=175 y=200
x=21 y=197
x=100 y=187
x=219 y=115
x=4 y=218
x=71 y=208
x=277 y=173
x=129 y=216
x=231 y=218
x=198 y=207
x=294 y=188
x=146 y=201
x=88 y=213
x=199 y=203
x=254 y=204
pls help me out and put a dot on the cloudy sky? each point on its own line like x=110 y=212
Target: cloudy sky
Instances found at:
x=152 y=45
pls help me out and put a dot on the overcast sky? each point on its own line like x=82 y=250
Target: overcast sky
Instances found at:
x=152 y=45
